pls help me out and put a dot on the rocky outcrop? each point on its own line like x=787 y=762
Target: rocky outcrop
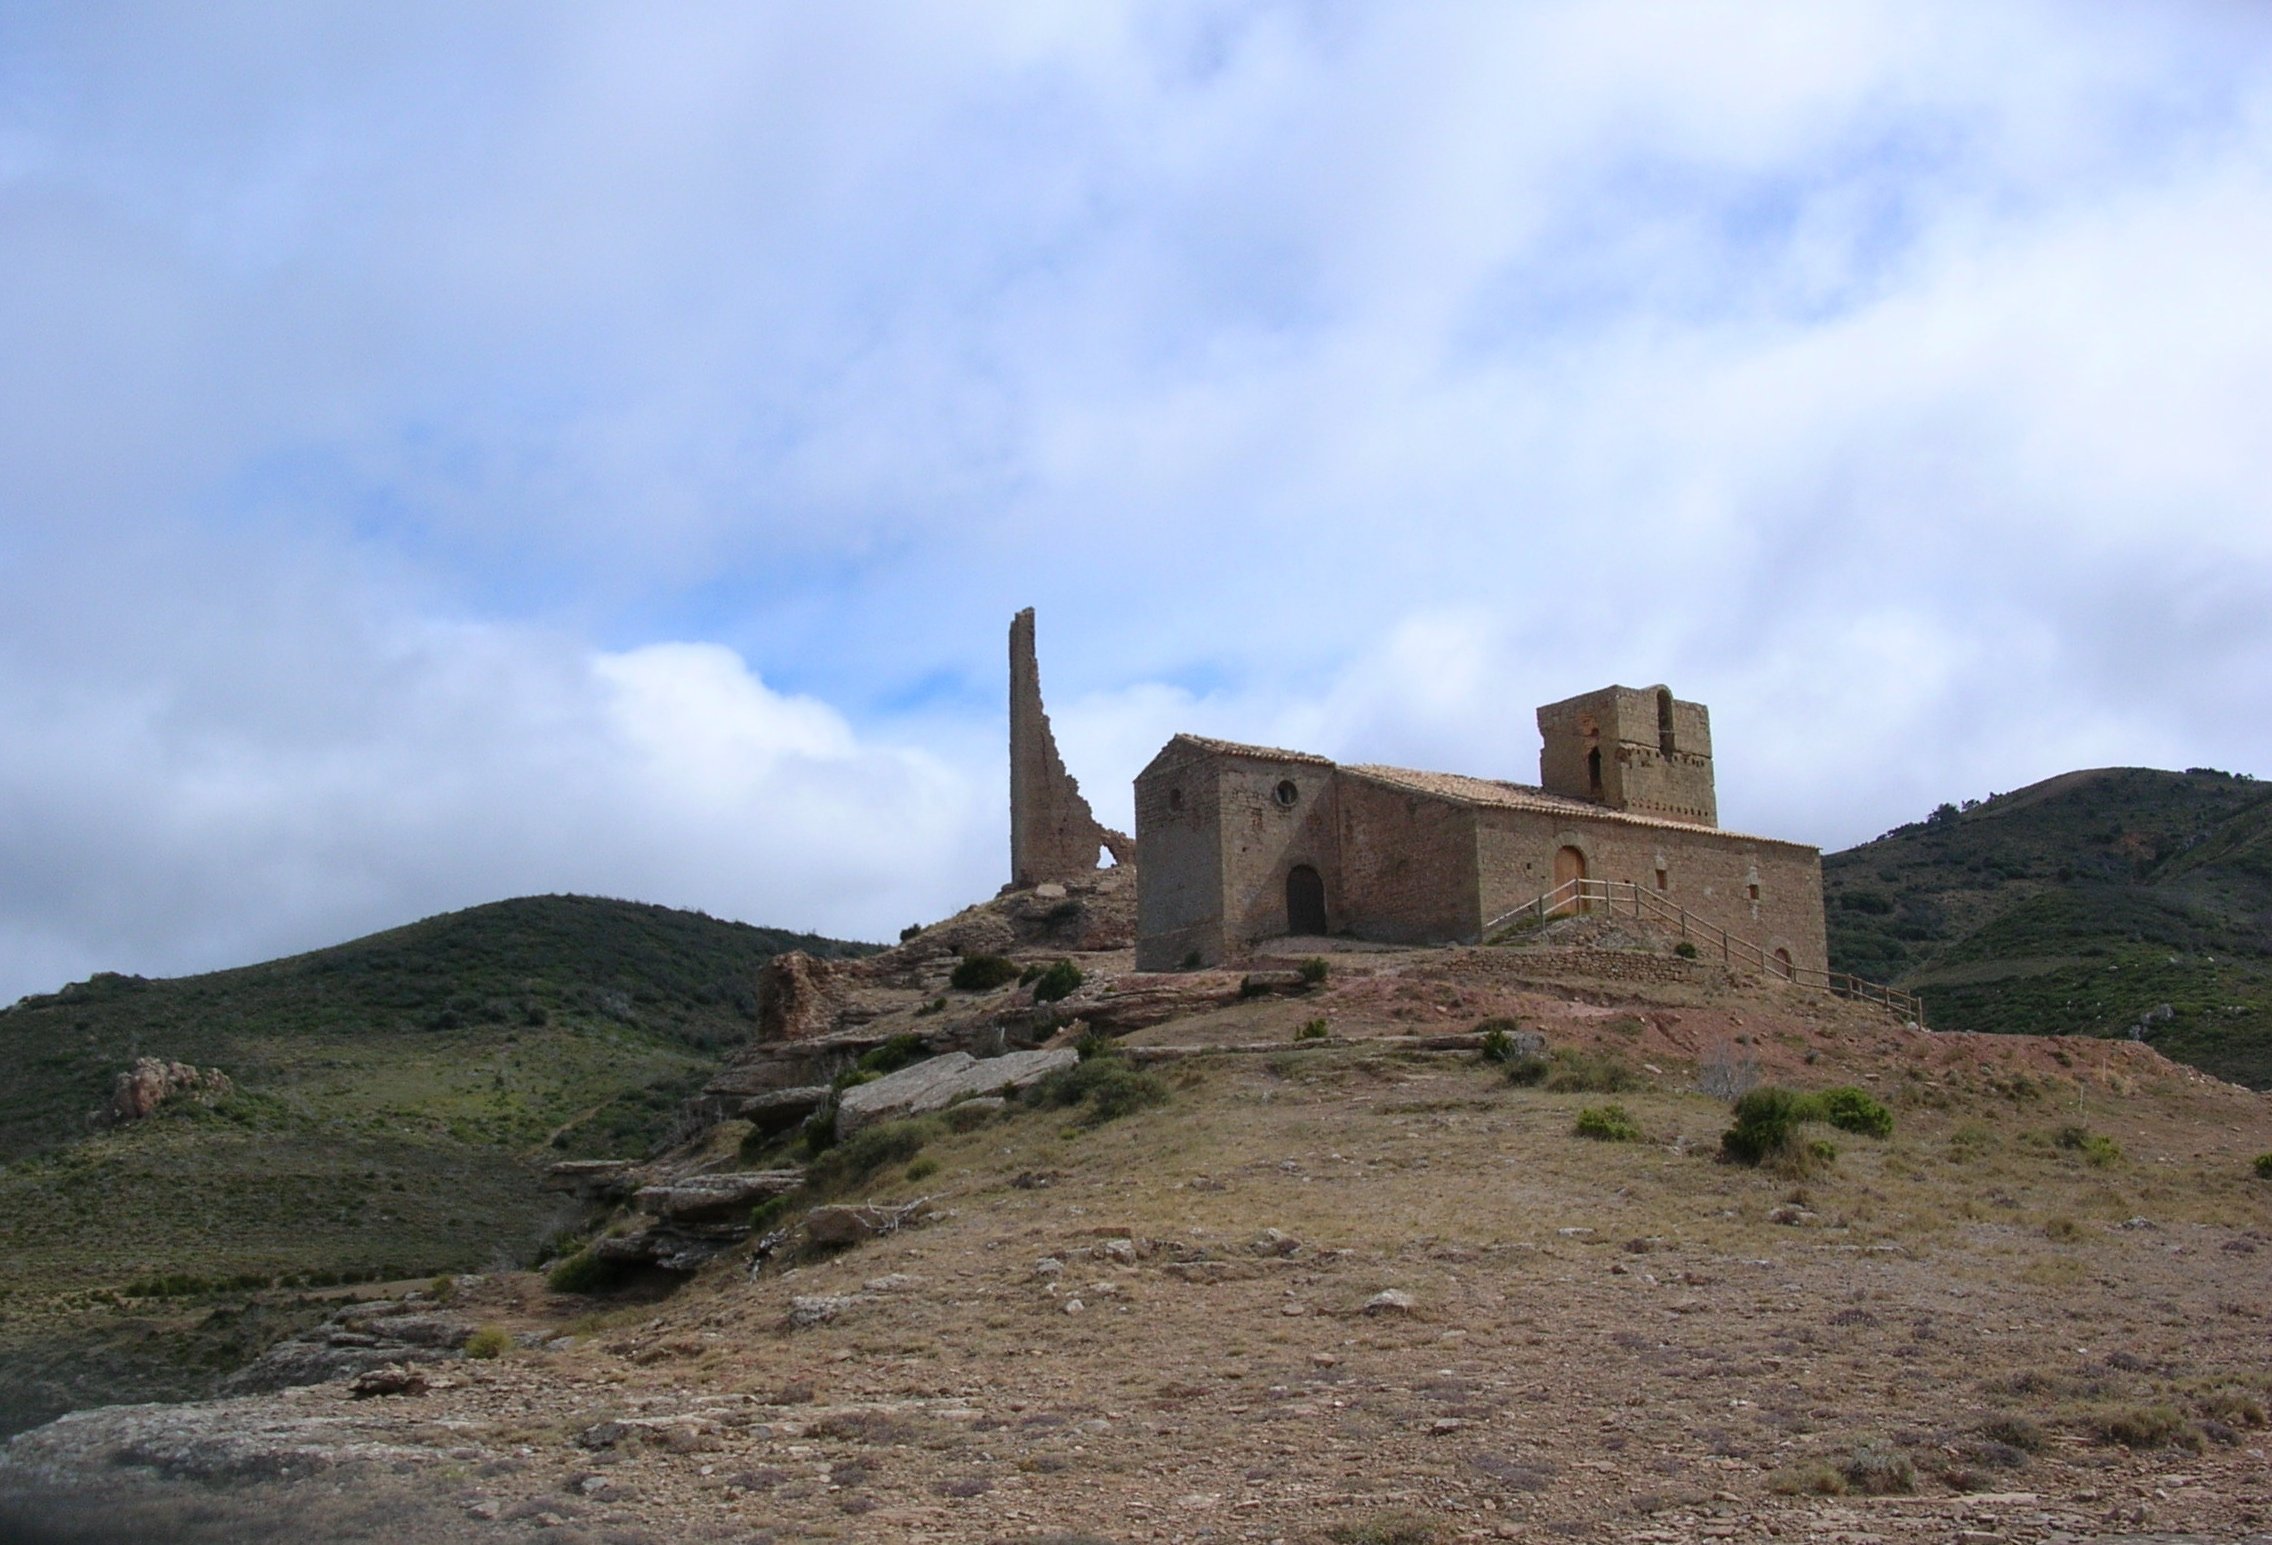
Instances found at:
x=152 y=1081
x=836 y=1226
x=797 y=994
x=705 y=1201
x=940 y=1082
x=357 y=1338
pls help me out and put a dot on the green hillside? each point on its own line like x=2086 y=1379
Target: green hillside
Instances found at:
x=395 y=1098
x=2088 y=904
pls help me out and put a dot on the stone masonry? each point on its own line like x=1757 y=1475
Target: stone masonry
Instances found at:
x=1244 y=843
x=1053 y=833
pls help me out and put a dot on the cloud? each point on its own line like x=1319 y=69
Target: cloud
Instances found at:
x=511 y=448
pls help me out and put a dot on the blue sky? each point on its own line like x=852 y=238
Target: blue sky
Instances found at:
x=454 y=452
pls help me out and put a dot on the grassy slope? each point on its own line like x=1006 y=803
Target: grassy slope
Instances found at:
x=2079 y=905
x=391 y=1092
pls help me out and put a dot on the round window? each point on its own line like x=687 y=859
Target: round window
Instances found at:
x=1287 y=793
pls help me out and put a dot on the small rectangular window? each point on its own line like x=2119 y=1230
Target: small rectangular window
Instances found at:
x=1753 y=887
x=1660 y=879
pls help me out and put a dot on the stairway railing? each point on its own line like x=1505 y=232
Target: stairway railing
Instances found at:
x=1617 y=897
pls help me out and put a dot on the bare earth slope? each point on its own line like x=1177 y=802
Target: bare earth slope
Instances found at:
x=1349 y=1288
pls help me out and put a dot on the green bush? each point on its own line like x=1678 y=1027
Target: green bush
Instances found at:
x=1685 y=950
x=1498 y=1043
x=1609 y=1124
x=2098 y=1151
x=1854 y=1110
x=982 y=973
x=487 y=1342
x=1526 y=1070
x=1058 y=981
x=767 y=1213
x=923 y=1168
x=2264 y=1166
x=903 y=1050
x=1572 y=1070
x=1880 y=1470
x=850 y=1162
x=909 y=932
x=1310 y=1030
x=818 y=1134
x=1314 y=971
x=583 y=1272
x=1767 y=1121
x=1106 y=1083
x=2154 y=1426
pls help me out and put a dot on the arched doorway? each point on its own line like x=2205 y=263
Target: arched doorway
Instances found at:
x=1305 y=900
x=1783 y=967
x=1569 y=864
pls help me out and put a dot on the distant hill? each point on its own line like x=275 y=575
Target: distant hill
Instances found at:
x=2087 y=904
x=391 y=1095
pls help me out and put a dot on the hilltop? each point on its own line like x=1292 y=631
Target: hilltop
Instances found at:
x=393 y=1100
x=1287 y=1256
x=2093 y=903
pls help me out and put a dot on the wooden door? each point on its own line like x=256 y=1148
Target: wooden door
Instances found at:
x=1569 y=864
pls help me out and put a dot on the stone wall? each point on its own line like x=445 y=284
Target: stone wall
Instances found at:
x=1655 y=753
x=1408 y=864
x=1179 y=894
x=1266 y=833
x=1765 y=891
x=1053 y=833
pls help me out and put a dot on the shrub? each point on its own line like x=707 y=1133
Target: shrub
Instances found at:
x=1880 y=1470
x=1310 y=1030
x=1812 y=1477
x=1387 y=1529
x=1058 y=981
x=1314 y=971
x=903 y=1050
x=765 y=1214
x=909 y=932
x=2098 y=1151
x=487 y=1342
x=1608 y=1123
x=818 y=1134
x=2061 y=1228
x=2146 y=1427
x=1095 y=1043
x=982 y=973
x=2264 y=1166
x=1498 y=1042
x=1766 y=1126
x=1572 y=1070
x=583 y=1272
x=1526 y=1071
x=1106 y=1083
x=1685 y=950
x=923 y=1168
x=2013 y=1431
x=1854 y=1110
x=859 y=1156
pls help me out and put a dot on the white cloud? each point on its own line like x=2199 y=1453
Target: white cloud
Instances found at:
x=529 y=448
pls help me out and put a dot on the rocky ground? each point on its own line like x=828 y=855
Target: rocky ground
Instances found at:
x=1343 y=1286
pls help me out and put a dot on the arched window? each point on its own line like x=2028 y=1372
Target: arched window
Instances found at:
x=1305 y=900
x=1593 y=773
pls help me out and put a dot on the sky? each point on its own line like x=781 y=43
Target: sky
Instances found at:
x=454 y=452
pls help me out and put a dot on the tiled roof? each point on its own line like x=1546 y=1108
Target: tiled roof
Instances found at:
x=1521 y=796
x=1259 y=753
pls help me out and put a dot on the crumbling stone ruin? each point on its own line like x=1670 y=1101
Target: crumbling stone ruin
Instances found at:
x=1243 y=843
x=1053 y=833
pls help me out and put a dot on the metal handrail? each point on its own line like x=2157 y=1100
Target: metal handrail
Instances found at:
x=1573 y=896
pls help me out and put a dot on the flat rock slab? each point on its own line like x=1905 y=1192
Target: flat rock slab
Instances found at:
x=695 y=1198
x=942 y=1080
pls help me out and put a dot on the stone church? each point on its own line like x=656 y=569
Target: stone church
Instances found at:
x=1242 y=843
x=1236 y=844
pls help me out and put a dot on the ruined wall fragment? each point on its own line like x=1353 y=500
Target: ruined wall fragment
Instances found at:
x=1053 y=833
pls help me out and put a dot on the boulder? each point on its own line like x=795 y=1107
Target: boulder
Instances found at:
x=709 y=1199
x=777 y=1110
x=940 y=1081
x=142 y=1088
x=841 y=1225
